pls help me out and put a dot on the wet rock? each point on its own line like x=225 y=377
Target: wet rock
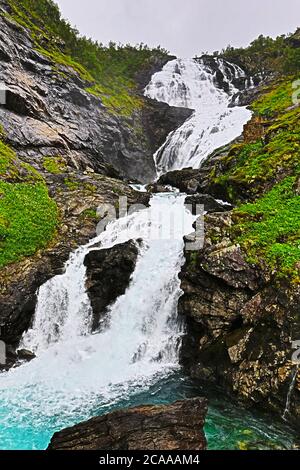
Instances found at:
x=162 y=427
x=240 y=322
x=23 y=102
x=157 y=188
x=25 y=355
x=185 y=180
x=108 y=273
x=210 y=204
x=245 y=97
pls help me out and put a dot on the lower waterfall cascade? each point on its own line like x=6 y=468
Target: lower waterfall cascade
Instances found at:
x=193 y=84
x=78 y=374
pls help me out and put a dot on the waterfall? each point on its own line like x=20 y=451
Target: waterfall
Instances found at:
x=193 y=84
x=75 y=371
x=290 y=393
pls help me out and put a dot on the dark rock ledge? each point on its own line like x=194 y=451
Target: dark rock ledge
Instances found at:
x=161 y=427
x=108 y=275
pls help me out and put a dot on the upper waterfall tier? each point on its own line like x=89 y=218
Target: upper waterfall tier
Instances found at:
x=208 y=90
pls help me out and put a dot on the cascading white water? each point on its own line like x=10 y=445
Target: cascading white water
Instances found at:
x=192 y=84
x=75 y=370
x=290 y=393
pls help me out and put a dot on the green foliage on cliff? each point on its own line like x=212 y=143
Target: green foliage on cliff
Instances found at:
x=267 y=171
x=276 y=100
x=109 y=70
x=28 y=216
x=266 y=55
x=255 y=165
x=13 y=170
x=269 y=228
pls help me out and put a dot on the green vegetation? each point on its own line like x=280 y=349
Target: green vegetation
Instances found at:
x=7 y=157
x=12 y=169
x=109 y=71
x=276 y=100
x=71 y=184
x=272 y=157
x=266 y=55
x=269 y=228
x=90 y=214
x=2 y=132
x=55 y=165
x=267 y=171
x=28 y=216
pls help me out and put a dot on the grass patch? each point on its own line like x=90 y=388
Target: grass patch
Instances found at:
x=90 y=214
x=275 y=101
x=71 y=184
x=270 y=228
x=13 y=170
x=28 y=219
x=28 y=216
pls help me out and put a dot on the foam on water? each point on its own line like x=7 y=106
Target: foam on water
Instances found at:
x=192 y=84
x=76 y=370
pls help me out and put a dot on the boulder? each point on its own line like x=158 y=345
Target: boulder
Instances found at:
x=157 y=188
x=161 y=427
x=210 y=203
x=186 y=180
x=108 y=273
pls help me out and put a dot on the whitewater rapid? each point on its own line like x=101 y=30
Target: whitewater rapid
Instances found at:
x=193 y=84
x=75 y=370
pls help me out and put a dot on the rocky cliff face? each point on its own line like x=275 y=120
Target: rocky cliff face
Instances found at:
x=48 y=112
x=167 y=427
x=240 y=322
